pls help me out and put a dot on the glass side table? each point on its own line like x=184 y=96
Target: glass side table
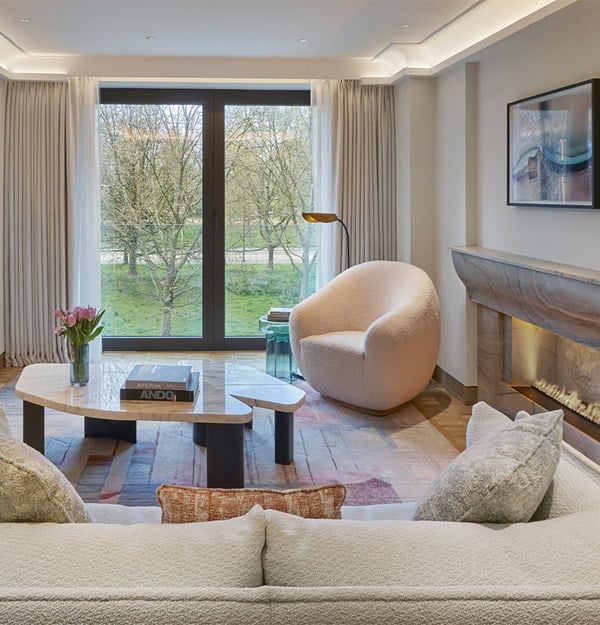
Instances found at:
x=279 y=358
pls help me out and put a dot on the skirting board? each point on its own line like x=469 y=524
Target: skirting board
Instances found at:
x=466 y=394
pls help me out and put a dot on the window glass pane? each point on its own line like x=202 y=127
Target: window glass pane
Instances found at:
x=151 y=181
x=270 y=253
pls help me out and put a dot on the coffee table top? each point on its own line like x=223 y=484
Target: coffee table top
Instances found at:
x=226 y=393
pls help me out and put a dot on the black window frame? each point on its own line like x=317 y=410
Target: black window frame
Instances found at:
x=214 y=102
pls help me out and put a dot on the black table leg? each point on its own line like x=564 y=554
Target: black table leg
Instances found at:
x=284 y=437
x=225 y=455
x=33 y=425
x=199 y=434
x=110 y=428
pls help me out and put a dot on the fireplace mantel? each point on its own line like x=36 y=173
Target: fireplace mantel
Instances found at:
x=562 y=299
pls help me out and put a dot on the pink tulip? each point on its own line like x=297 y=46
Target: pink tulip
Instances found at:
x=57 y=330
x=90 y=313
x=58 y=313
x=71 y=320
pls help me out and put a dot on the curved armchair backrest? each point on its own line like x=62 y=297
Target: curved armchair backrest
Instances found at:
x=368 y=291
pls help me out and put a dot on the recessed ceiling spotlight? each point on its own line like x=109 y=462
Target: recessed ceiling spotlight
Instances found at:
x=403 y=25
x=25 y=20
x=150 y=37
x=303 y=40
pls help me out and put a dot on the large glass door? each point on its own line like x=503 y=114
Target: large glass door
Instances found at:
x=202 y=193
x=269 y=249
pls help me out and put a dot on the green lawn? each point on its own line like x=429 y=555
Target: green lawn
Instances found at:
x=132 y=310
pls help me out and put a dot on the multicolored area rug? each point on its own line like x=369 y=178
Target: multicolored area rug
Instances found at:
x=379 y=459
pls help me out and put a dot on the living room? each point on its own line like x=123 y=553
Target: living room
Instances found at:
x=451 y=136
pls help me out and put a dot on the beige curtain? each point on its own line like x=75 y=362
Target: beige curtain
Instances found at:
x=355 y=154
x=35 y=199
x=83 y=175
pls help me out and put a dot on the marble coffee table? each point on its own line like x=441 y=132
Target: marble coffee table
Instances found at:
x=223 y=407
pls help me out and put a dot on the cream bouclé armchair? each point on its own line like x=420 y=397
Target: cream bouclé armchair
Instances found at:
x=370 y=337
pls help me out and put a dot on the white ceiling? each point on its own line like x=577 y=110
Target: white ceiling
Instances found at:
x=376 y=39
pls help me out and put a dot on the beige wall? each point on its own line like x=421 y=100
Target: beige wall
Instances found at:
x=469 y=204
x=457 y=215
x=565 y=52
x=417 y=232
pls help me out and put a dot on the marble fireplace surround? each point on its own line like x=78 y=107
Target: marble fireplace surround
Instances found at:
x=561 y=299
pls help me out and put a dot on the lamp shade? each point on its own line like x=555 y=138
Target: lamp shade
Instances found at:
x=328 y=218
x=320 y=218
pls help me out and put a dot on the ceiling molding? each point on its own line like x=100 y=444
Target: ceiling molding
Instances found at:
x=485 y=24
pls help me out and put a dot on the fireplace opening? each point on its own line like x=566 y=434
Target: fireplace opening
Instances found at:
x=555 y=372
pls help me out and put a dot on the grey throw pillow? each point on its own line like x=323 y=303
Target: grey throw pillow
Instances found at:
x=501 y=479
x=33 y=489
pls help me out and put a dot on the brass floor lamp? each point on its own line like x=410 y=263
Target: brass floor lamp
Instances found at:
x=328 y=218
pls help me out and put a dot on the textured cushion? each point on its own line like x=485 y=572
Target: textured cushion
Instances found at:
x=4 y=424
x=558 y=554
x=576 y=483
x=484 y=421
x=185 y=504
x=33 y=489
x=92 y=556
x=502 y=479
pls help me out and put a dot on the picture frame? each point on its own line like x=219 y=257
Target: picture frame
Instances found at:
x=553 y=147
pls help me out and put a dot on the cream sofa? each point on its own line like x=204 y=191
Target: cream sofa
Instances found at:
x=269 y=567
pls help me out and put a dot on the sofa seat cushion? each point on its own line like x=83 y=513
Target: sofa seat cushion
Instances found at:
x=502 y=479
x=320 y=552
x=33 y=489
x=215 y=554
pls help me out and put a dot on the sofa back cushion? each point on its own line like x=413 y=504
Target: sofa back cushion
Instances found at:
x=315 y=552
x=214 y=554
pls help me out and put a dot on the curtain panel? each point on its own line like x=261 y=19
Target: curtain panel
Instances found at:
x=354 y=171
x=51 y=213
x=35 y=222
x=83 y=198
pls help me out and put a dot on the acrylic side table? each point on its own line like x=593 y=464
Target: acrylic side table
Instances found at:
x=279 y=358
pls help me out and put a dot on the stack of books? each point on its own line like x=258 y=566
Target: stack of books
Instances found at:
x=279 y=314
x=161 y=383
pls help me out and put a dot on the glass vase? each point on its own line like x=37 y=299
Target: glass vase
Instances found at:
x=80 y=364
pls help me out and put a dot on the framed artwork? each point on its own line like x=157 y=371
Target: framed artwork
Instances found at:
x=552 y=148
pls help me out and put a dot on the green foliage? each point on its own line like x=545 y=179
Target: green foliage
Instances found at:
x=250 y=291
x=255 y=280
